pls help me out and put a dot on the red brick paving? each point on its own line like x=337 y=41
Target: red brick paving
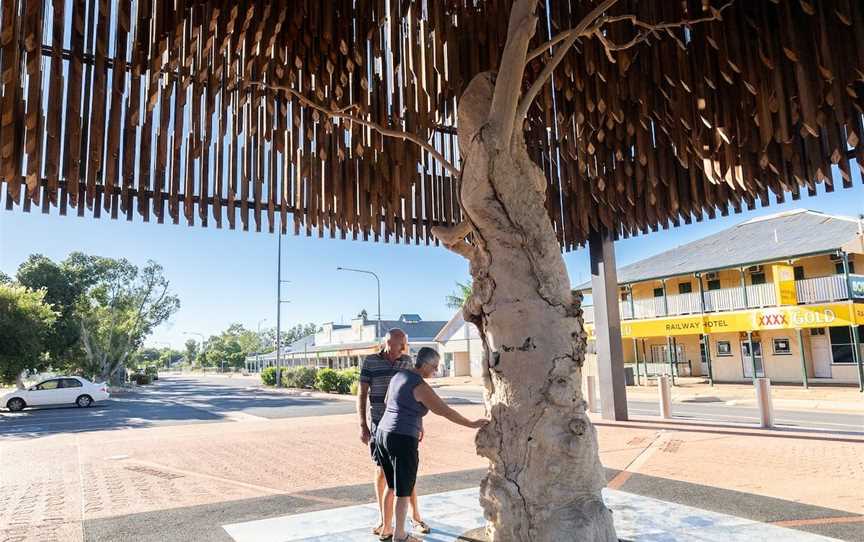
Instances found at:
x=51 y=484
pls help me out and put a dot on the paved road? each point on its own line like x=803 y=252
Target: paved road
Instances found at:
x=171 y=401
x=184 y=400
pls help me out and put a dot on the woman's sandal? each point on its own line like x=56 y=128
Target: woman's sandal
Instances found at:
x=421 y=527
x=385 y=537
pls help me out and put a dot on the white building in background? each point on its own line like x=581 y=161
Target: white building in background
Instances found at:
x=339 y=346
x=460 y=347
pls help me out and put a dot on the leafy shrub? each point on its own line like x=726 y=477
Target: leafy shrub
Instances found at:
x=355 y=387
x=347 y=378
x=268 y=376
x=327 y=380
x=299 y=377
x=152 y=372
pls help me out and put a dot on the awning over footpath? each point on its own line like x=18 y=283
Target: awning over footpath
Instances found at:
x=214 y=113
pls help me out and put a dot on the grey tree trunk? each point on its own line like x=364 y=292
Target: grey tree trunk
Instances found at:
x=545 y=475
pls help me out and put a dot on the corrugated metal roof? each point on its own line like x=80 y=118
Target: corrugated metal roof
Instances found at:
x=416 y=331
x=769 y=238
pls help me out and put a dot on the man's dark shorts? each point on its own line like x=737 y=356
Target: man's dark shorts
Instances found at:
x=399 y=458
x=373 y=446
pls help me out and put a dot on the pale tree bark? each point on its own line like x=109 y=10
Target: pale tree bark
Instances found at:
x=545 y=477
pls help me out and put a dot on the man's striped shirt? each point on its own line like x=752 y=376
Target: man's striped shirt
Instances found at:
x=377 y=371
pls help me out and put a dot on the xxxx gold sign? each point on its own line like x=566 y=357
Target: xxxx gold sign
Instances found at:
x=836 y=314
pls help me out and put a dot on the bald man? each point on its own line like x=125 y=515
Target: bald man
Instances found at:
x=375 y=375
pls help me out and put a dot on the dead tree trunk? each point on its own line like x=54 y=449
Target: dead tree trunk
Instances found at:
x=545 y=476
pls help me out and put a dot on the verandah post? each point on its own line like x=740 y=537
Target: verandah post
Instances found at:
x=803 y=359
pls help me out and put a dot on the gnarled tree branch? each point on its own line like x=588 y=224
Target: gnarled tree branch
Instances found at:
x=343 y=114
x=511 y=70
x=586 y=29
x=578 y=30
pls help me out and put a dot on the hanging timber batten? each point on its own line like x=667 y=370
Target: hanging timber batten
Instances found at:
x=178 y=110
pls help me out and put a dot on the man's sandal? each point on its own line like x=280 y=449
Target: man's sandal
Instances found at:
x=408 y=538
x=385 y=537
x=421 y=527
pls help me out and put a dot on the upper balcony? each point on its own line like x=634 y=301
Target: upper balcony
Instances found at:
x=815 y=290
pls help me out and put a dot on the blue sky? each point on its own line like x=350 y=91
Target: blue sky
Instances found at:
x=225 y=276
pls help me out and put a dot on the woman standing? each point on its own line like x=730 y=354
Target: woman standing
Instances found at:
x=409 y=398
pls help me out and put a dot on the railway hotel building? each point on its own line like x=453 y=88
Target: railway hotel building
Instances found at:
x=781 y=295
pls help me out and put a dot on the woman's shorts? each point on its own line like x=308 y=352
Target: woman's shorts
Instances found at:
x=399 y=459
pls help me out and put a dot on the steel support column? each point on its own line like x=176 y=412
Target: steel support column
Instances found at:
x=607 y=322
x=803 y=359
x=706 y=339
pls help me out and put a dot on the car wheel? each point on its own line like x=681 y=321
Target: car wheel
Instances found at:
x=84 y=401
x=15 y=404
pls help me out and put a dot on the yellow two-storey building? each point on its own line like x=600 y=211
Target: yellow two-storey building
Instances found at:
x=776 y=296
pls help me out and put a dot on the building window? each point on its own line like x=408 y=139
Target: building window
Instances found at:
x=799 y=272
x=838 y=267
x=685 y=288
x=714 y=284
x=757 y=278
x=816 y=331
x=782 y=346
x=841 y=343
x=658 y=292
x=724 y=348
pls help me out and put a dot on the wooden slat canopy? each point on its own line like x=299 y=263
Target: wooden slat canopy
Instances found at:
x=118 y=107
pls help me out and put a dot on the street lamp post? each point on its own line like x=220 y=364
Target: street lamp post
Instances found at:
x=378 y=326
x=279 y=302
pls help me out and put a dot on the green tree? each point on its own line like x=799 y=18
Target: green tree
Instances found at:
x=4 y=278
x=191 y=351
x=169 y=356
x=457 y=299
x=63 y=289
x=121 y=307
x=25 y=322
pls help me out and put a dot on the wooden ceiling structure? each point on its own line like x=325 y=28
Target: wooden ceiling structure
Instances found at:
x=123 y=107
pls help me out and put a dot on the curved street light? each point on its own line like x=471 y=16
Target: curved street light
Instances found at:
x=364 y=271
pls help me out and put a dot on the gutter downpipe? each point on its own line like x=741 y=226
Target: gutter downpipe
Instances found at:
x=706 y=339
x=803 y=359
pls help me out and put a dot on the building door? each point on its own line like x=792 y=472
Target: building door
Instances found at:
x=820 y=353
x=748 y=361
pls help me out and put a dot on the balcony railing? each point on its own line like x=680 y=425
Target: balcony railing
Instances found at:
x=822 y=289
x=816 y=290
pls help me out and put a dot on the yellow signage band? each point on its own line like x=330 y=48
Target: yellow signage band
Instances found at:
x=767 y=319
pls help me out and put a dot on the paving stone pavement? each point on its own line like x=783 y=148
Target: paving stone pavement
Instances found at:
x=53 y=484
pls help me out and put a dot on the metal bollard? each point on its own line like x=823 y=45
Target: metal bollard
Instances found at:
x=763 y=398
x=665 y=396
x=591 y=394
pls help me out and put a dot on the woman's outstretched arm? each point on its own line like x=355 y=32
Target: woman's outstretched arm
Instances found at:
x=426 y=395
